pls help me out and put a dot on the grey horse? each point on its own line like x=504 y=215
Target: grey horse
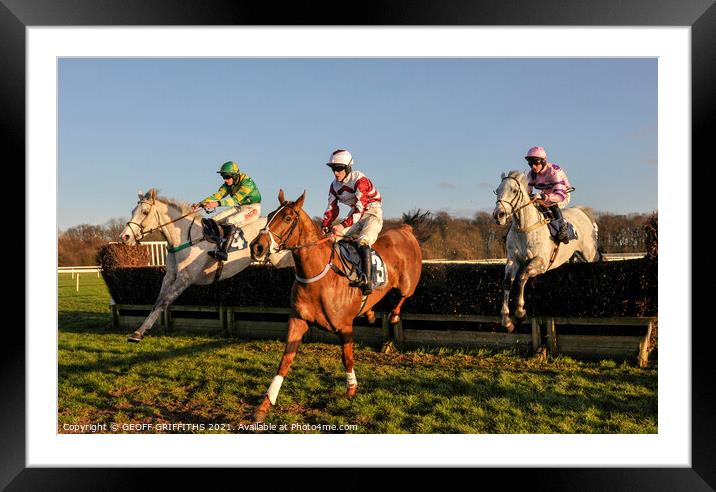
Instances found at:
x=530 y=248
x=187 y=261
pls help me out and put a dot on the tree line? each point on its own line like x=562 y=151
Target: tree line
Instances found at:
x=453 y=238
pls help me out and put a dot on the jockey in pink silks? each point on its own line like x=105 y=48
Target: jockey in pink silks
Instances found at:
x=552 y=184
x=365 y=219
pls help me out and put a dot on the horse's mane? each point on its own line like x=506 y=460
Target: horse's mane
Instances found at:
x=519 y=176
x=422 y=223
x=179 y=205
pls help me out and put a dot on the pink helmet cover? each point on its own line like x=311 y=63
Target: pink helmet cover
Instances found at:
x=537 y=152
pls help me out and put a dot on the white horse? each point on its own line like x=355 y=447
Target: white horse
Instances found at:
x=187 y=261
x=530 y=248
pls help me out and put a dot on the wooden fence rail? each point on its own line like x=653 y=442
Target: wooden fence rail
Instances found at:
x=252 y=322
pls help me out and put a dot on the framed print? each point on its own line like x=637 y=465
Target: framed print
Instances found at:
x=40 y=42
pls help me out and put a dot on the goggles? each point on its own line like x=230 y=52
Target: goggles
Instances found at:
x=533 y=161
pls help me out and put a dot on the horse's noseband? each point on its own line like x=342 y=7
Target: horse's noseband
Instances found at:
x=140 y=224
x=513 y=203
x=267 y=230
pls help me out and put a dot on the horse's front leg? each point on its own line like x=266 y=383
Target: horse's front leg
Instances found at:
x=535 y=266
x=511 y=269
x=347 y=355
x=172 y=287
x=296 y=329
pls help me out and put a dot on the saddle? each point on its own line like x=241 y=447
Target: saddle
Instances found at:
x=553 y=224
x=218 y=233
x=351 y=261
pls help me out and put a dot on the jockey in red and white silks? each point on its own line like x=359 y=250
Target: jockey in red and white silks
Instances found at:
x=552 y=185
x=365 y=220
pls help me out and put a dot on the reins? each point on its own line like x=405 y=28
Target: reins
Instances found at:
x=143 y=233
x=282 y=246
x=314 y=243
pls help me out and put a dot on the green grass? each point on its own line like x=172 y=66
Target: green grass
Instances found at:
x=208 y=380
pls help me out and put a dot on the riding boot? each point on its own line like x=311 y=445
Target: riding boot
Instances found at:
x=367 y=265
x=221 y=252
x=563 y=233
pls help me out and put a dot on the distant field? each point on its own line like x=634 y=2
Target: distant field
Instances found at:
x=215 y=382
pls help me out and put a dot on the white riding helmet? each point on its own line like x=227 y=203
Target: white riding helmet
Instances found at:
x=341 y=157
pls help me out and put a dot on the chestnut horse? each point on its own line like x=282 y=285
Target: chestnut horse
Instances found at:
x=323 y=297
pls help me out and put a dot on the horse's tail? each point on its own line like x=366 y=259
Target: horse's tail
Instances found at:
x=422 y=224
x=595 y=231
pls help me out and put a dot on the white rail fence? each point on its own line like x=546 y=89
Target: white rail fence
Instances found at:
x=76 y=270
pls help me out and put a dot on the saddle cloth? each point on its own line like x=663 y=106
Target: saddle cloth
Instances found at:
x=350 y=257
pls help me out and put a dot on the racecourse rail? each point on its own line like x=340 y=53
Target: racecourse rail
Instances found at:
x=249 y=322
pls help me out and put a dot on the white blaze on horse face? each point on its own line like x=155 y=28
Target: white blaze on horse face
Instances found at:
x=273 y=247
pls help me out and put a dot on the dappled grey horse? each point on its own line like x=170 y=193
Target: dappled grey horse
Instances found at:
x=530 y=248
x=187 y=261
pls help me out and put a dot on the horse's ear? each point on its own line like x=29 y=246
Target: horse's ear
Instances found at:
x=281 y=198
x=503 y=176
x=299 y=202
x=153 y=194
x=140 y=194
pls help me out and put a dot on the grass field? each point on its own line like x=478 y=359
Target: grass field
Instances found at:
x=214 y=384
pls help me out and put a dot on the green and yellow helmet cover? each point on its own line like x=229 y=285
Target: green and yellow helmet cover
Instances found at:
x=229 y=167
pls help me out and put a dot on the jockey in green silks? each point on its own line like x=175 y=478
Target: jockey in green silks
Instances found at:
x=241 y=195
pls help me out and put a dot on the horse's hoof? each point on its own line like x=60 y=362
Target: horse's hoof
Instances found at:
x=394 y=319
x=351 y=391
x=259 y=416
x=520 y=316
x=510 y=327
x=135 y=337
x=261 y=411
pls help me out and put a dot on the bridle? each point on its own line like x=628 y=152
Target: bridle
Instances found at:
x=282 y=244
x=140 y=225
x=267 y=230
x=518 y=197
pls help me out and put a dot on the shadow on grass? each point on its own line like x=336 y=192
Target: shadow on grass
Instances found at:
x=524 y=394
x=123 y=363
x=83 y=322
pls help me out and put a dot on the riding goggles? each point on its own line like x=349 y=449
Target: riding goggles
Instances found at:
x=533 y=161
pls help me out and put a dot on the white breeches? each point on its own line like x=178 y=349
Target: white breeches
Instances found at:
x=239 y=215
x=366 y=230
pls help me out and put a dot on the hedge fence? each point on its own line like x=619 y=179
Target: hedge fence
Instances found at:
x=607 y=289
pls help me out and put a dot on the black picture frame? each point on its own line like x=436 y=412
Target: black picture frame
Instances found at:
x=700 y=15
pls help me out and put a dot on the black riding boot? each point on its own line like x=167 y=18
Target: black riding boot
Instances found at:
x=221 y=252
x=562 y=234
x=367 y=265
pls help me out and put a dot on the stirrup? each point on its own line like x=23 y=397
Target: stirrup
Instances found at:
x=365 y=284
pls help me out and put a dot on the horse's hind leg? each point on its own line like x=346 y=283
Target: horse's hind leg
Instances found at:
x=296 y=329
x=347 y=355
x=395 y=313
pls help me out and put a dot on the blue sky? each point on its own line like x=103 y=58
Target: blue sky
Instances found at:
x=433 y=133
